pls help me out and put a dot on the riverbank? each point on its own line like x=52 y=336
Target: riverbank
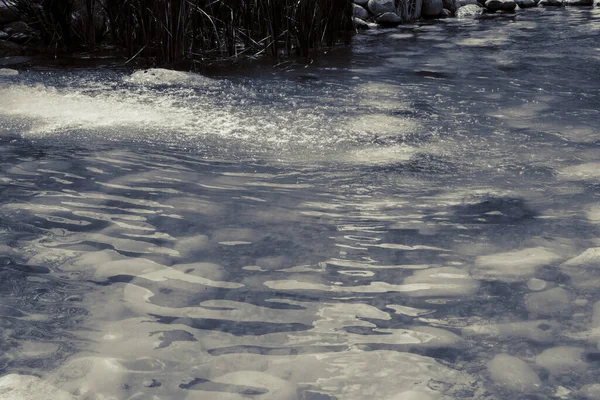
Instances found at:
x=389 y=13
x=22 y=37
x=169 y=32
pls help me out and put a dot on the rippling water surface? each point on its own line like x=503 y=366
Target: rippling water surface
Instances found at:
x=392 y=229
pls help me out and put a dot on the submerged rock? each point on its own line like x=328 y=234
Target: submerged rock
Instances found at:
x=579 y=3
x=513 y=266
x=526 y=3
x=555 y=301
x=563 y=359
x=377 y=7
x=27 y=387
x=360 y=24
x=537 y=285
x=584 y=270
x=590 y=392
x=359 y=12
x=438 y=338
x=389 y=19
x=432 y=8
x=513 y=374
x=540 y=331
x=503 y=5
x=274 y=388
x=443 y=281
x=550 y=3
x=469 y=11
x=100 y=376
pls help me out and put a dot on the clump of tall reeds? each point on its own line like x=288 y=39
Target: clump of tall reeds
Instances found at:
x=169 y=31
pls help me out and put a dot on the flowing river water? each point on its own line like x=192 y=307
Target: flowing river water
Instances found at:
x=412 y=217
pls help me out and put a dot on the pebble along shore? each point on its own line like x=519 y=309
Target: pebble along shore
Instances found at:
x=388 y=13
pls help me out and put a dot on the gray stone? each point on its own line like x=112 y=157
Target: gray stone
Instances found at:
x=432 y=8
x=584 y=269
x=18 y=27
x=500 y=5
x=442 y=281
x=438 y=338
x=360 y=24
x=15 y=60
x=513 y=266
x=555 y=301
x=579 y=3
x=562 y=359
x=7 y=15
x=526 y=3
x=10 y=49
x=513 y=374
x=388 y=19
x=536 y=285
x=8 y=72
x=3 y=35
x=550 y=3
x=359 y=12
x=540 y=331
x=445 y=13
x=467 y=2
x=362 y=3
x=451 y=5
x=377 y=7
x=20 y=38
x=469 y=11
x=27 y=387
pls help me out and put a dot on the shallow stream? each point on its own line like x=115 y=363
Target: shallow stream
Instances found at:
x=388 y=222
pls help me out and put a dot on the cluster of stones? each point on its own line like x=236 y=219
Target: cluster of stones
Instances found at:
x=510 y=5
x=14 y=33
x=369 y=13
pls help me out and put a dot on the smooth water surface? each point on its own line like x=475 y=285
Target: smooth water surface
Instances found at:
x=429 y=203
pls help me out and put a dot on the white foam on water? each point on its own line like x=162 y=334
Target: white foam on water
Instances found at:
x=186 y=109
x=587 y=172
x=51 y=111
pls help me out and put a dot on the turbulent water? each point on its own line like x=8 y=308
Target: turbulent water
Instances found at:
x=412 y=217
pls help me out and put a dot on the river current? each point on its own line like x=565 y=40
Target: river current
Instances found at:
x=409 y=217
